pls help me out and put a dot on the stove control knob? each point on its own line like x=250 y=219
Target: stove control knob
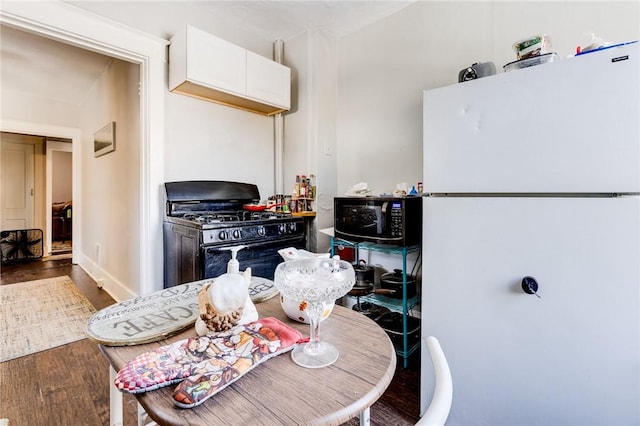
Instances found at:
x=261 y=231
x=222 y=235
x=235 y=234
x=281 y=228
x=292 y=227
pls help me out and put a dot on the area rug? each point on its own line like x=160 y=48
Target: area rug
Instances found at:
x=56 y=257
x=40 y=315
x=60 y=247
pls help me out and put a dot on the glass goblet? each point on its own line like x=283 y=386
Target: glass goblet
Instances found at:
x=317 y=281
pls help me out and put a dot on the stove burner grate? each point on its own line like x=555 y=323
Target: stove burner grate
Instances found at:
x=237 y=216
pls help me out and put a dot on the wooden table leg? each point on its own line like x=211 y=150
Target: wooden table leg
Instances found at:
x=115 y=401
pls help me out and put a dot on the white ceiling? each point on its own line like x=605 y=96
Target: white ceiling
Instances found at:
x=41 y=67
x=269 y=19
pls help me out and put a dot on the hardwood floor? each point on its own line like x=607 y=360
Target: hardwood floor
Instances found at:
x=68 y=385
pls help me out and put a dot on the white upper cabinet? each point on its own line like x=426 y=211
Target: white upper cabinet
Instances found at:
x=268 y=80
x=207 y=67
x=214 y=62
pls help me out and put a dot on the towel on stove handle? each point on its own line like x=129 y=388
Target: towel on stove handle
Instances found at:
x=207 y=364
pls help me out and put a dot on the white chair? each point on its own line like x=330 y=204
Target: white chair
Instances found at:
x=438 y=410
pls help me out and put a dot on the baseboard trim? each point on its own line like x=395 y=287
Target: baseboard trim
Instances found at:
x=116 y=289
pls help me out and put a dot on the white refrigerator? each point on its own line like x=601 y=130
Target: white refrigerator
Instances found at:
x=533 y=176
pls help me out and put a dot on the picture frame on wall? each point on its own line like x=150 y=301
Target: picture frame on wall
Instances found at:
x=104 y=140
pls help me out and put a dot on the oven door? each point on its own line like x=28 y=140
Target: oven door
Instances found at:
x=261 y=257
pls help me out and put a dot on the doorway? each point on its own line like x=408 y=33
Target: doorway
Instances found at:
x=57 y=21
x=59 y=185
x=22 y=177
x=37 y=188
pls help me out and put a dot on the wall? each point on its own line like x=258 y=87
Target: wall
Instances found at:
x=110 y=183
x=62 y=176
x=29 y=108
x=207 y=141
x=310 y=126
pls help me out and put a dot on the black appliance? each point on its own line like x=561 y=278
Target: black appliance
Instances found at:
x=382 y=220
x=205 y=218
x=21 y=245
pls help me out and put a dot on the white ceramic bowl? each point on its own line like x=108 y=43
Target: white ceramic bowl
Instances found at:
x=297 y=310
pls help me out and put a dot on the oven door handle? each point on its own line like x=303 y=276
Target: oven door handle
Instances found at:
x=253 y=245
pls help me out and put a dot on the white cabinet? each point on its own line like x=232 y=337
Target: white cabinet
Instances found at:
x=268 y=80
x=207 y=67
x=211 y=61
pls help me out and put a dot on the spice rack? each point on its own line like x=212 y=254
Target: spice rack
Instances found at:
x=404 y=348
x=304 y=196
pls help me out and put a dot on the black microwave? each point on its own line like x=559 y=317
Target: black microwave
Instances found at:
x=382 y=220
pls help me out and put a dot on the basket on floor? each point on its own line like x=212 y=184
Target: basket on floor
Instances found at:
x=21 y=245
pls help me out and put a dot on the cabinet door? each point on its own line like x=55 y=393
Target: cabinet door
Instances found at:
x=567 y=358
x=214 y=62
x=181 y=255
x=268 y=81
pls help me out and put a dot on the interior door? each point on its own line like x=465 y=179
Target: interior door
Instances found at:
x=18 y=171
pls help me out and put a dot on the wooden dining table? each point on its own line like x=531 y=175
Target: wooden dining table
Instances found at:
x=279 y=392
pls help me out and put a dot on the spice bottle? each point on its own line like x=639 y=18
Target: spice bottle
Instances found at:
x=312 y=186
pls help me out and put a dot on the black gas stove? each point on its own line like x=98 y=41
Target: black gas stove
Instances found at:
x=206 y=218
x=240 y=228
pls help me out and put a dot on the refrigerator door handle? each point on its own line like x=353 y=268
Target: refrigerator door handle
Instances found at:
x=530 y=286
